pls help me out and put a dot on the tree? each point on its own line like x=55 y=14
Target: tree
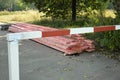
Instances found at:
x=116 y=4
x=4 y=4
x=12 y=5
x=65 y=8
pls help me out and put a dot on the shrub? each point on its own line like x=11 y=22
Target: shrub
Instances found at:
x=109 y=40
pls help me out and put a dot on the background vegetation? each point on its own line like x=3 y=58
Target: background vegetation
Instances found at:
x=14 y=5
x=60 y=14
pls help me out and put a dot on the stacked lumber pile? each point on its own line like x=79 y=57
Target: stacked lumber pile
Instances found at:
x=69 y=44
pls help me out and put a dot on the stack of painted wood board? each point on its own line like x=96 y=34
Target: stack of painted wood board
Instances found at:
x=69 y=44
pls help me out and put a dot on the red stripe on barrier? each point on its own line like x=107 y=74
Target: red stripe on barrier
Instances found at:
x=55 y=33
x=104 y=28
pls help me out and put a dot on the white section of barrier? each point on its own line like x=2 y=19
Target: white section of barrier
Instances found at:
x=81 y=30
x=117 y=27
x=24 y=35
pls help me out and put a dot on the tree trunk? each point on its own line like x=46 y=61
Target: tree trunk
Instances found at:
x=73 y=10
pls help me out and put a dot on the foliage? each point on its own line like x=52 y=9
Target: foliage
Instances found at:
x=111 y=40
x=116 y=5
x=54 y=8
x=61 y=9
x=107 y=40
x=13 y=5
x=4 y=4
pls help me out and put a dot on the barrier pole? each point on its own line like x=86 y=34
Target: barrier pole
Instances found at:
x=13 y=57
x=13 y=51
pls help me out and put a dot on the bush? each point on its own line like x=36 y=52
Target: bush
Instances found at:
x=109 y=40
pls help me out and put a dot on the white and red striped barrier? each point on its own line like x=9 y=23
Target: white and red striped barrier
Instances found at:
x=13 y=38
x=80 y=30
x=93 y=29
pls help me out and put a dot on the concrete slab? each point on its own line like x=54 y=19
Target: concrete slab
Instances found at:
x=38 y=62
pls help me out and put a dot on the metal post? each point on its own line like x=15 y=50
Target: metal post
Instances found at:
x=13 y=59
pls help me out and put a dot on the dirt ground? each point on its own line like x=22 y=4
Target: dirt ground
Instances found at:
x=38 y=62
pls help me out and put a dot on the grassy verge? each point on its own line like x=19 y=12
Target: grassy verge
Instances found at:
x=20 y=16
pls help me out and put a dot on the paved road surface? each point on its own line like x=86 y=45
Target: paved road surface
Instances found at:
x=38 y=62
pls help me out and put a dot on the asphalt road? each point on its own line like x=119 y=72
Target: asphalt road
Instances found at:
x=38 y=62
